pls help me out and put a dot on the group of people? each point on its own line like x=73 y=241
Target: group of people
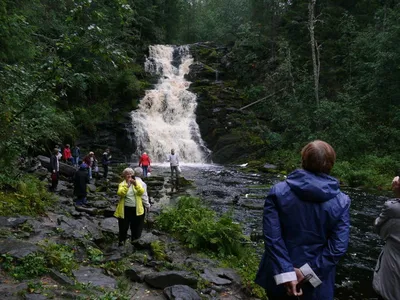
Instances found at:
x=306 y=227
x=134 y=203
x=172 y=158
x=72 y=157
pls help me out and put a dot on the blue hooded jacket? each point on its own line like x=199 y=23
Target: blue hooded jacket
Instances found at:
x=306 y=221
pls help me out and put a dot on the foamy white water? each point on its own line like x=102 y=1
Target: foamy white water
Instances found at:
x=166 y=117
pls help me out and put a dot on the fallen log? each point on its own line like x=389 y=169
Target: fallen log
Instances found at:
x=65 y=169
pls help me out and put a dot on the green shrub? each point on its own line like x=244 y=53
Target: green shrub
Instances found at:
x=94 y=254
x=29 y=197
x=199 y=227
x=158 y=250
x=30 y=266
x=60 y=257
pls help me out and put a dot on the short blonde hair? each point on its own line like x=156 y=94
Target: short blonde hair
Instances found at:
x=127 y=171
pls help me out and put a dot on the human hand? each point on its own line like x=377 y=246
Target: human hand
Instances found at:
x=299 y=274
x=291 y=289
x=147 y=210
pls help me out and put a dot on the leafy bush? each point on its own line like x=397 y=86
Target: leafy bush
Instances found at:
x=60 y=257
x=94 y=254
x=199 y=227
x=28 y=197
x=158 y=250
x=30 y=266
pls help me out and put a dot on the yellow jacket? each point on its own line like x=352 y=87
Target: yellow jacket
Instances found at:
x=122 y=191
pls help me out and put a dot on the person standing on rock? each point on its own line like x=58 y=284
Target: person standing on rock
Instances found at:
x=55 y=169
x=106 y=161
x=144 y=162
x=76 y=153
x=81 y=180
x=387 y=271
x=130 y=210
x=306 y=226
x=174 y=163
x=67 y=154
x=89 y=160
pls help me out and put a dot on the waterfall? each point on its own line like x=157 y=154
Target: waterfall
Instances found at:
x=166 y=117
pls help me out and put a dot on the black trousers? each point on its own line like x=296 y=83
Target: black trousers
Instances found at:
x=105 y=167
x=131 y=220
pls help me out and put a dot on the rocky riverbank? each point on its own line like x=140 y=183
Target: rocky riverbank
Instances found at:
x=71 y=252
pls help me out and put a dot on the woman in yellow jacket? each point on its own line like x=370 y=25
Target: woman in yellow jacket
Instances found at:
x=130 y=210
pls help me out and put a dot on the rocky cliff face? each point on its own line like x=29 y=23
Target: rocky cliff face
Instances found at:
x=219 y=100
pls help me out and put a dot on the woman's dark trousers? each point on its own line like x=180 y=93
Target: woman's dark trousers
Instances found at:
x=136 y=223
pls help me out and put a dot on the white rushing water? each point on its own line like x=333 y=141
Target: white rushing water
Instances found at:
x=166 y=117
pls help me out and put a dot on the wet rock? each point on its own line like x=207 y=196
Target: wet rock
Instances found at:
x=181 y=292
x=165 y=279
x=60 y=278
x=12 y=221
x=109 y=225
x=82 y=229
x=91 y=187
x=109 y=211
x=133 y=275
x=270 y=166
x=228 y=273
x=252 y=203
x=99 y=204
x=95 y=277
x=214 y=277
x=11 y=291
x=89 y=210
x=65 y=169
x=145 y=241
x=35 y=297
x=17 y=248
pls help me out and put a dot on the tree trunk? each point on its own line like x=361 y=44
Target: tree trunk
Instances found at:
x=314 y=48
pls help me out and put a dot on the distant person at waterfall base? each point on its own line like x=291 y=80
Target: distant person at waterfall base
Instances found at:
x=306 y=225
x=90 y=160
x=76 y=153
x=81 y=180
x=174 y=163
x=144 y=162
x=67 y=157
x=387 y=271
x=106 y=162
x=55 y=169
x=130 y=210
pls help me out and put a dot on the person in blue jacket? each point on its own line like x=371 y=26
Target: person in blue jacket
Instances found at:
x=306 y=225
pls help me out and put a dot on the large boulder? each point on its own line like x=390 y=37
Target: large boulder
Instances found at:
x=12 y=221
x=95 y=277
x=82 y=229
x=165 y=279
x=177 y=292
x=65 y=169
x=17 y=248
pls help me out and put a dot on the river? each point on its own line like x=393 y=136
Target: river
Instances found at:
x=231 y=189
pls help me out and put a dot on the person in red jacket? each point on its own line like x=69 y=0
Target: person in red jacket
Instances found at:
x=67 y=154
x=144 y=162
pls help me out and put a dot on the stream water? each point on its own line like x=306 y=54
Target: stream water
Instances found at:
x=230 y=189
x=166 y=119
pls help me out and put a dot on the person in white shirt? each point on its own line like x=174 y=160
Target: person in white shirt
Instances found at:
x=174 y=163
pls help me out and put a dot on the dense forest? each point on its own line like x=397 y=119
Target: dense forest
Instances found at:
x=334 y=66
